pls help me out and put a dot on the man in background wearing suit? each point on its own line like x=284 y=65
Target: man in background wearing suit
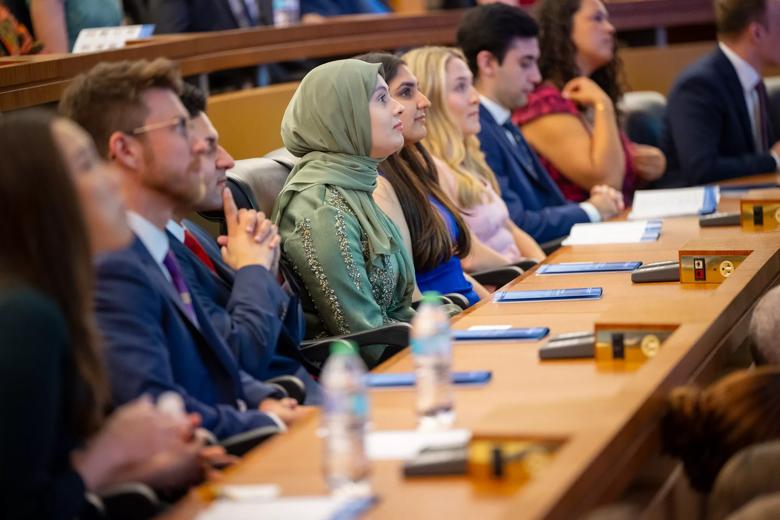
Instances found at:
x=501 y=47
x=180 y=16
x=717 y=116
x=157 y=336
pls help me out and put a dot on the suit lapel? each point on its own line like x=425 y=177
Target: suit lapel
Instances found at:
x=510 y=148
x=154 y=271
x=203 y=328
x=735 y=91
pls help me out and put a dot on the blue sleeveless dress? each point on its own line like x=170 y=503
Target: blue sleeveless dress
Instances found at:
x=447 y=277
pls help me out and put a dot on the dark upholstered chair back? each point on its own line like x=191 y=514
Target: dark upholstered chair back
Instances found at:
x=643 y=114
x=264 y=177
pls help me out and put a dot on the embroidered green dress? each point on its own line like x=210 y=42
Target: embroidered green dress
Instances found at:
x=347 y=253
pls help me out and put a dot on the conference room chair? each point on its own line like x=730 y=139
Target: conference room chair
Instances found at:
x=750 y=473
x=643 y=116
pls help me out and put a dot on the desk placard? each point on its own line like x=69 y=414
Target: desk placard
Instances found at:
x=104 y=38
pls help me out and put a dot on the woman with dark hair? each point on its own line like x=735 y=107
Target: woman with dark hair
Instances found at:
x=408 y=191
x=571 y=119
x=704 y=428
x=56 y=443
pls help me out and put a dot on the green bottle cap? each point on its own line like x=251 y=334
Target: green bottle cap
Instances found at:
x=431 y=297
x=343 y=346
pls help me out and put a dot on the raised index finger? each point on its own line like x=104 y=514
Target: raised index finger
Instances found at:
x=230 y=209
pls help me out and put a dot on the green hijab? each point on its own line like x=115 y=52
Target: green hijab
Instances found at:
x=327 y=124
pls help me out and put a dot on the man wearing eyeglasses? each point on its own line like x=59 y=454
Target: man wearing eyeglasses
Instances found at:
x=157 y=336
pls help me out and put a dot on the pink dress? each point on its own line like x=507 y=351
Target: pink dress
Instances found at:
x=547 y=99
x=487 y=221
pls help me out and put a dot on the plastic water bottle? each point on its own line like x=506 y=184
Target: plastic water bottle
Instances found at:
x=286 y=12
x=346 y=415
x=432 y=351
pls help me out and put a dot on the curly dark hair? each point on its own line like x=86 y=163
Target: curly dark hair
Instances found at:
x=557 y=64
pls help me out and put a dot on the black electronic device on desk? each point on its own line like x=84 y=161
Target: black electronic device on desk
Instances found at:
x=569 y=345
x=719 y=220
x=667 y=271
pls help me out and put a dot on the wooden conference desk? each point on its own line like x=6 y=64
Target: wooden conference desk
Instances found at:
x=608 y=418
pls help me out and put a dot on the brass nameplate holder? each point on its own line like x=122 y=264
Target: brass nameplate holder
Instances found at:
x=630 y=343
x=759 y=210
x=709 y=266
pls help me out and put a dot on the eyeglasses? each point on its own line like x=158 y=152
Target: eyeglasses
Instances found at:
x=182 y=124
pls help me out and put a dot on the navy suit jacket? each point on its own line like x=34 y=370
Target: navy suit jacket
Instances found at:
x=535 y=203
x=178 y=16
x=248 y=308
x=708 y=136
x=152 y=346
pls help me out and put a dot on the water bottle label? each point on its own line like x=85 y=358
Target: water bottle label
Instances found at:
x=419 y=346
x=360 y=405
x=432 y=345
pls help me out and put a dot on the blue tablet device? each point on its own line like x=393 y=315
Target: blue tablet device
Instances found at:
x=587 y=267
x=580 y=293
x=404 y=379
x=531 y=333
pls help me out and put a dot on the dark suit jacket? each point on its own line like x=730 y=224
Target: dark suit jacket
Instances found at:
x=152 y=346
x=708 y=136
x=249 y=310
x=535 y=203
x=178 y=16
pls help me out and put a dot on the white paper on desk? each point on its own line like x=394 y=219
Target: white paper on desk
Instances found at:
x=490 y=327
x=299 y=508
x=406 y=444
x=607 y=233
x=649 y=204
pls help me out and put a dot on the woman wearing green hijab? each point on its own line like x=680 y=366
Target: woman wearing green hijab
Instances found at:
x=358 y=276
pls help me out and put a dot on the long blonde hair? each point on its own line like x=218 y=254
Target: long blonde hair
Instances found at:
x=445 y=139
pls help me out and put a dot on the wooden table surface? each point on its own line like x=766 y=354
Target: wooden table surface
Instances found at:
x=606 y=416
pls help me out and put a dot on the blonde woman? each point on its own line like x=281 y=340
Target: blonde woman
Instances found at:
x=453 y=123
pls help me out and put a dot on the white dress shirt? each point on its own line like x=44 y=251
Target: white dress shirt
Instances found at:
x=501 y=115
x=153 y=238
x=175 y=229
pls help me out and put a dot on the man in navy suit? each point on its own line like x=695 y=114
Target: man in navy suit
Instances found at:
x=260 y=321
x=717 y=118
x=501 y=48
x=156 y=333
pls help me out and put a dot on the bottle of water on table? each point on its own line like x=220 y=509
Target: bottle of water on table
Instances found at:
x=345 y=418
x=432 y=351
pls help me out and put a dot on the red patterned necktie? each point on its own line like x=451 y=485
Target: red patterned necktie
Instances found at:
x=193 y=245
